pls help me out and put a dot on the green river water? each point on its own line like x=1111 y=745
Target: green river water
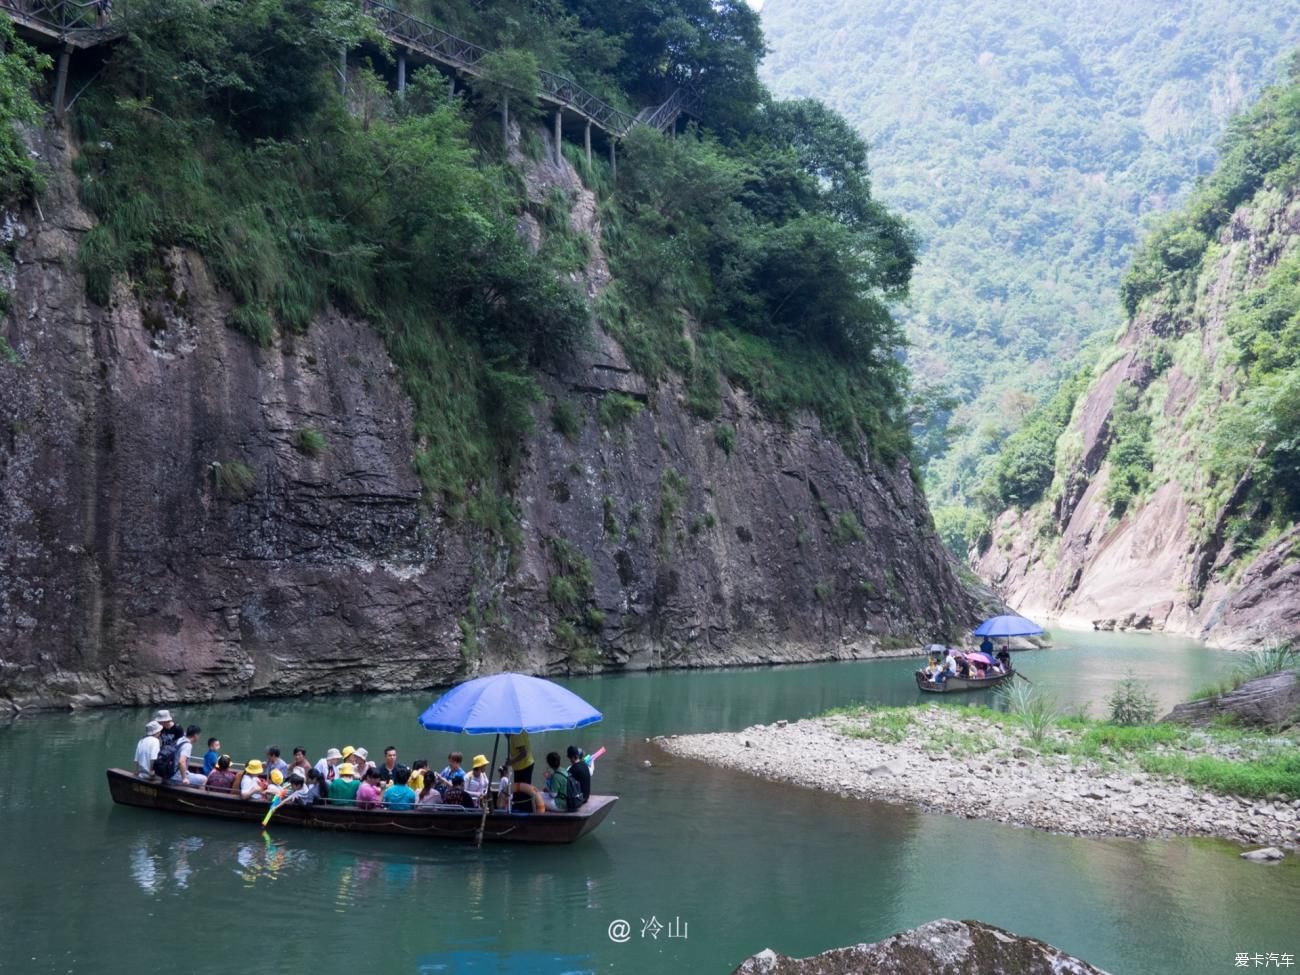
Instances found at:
x=729 y=863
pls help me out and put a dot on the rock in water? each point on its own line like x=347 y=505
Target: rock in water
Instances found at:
x=1268 y=854
x=941 y=947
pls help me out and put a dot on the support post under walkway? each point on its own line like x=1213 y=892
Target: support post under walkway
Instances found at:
x=586 y=142
x=559 y=134
x=401 y=74
x=61 y=82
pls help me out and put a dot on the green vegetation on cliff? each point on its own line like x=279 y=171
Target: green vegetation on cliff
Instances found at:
x=1214 y=296
x=749 y=246
x=1029 y=144
x=1249 y=443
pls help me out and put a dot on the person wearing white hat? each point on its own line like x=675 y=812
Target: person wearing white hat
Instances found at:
x=327 y=766
x=146 y=750
x=171 y=731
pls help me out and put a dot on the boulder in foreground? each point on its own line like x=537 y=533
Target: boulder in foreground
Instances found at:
x=940 y=947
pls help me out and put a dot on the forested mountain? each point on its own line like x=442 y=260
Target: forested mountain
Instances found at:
x=1029 y=144
x=292 y=360
x=1171 y=497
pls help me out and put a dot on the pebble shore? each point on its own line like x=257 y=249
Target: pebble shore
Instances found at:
x=1005 y=781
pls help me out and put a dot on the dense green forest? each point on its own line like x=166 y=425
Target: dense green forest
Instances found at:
x=1031 y=146
x=219 y=125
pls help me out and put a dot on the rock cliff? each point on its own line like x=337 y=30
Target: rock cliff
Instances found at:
x=186 y=516
x=1171 y=560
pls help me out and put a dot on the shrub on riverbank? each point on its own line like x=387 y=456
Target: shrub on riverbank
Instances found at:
x=1272 y=658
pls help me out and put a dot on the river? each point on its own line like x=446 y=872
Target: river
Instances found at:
x=726 y=863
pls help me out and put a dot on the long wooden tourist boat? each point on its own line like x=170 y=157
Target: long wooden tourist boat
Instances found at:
x=454 y=824
x=955 y=684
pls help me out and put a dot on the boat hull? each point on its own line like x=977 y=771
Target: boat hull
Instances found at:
x=508 y=827
x=954 y=685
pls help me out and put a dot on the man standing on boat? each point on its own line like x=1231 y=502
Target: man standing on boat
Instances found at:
x=986 y=646
x=520 y=750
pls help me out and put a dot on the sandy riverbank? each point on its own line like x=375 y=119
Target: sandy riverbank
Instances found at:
x=948 y=760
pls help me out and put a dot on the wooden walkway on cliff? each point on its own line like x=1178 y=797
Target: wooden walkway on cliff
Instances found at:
x=71 y=25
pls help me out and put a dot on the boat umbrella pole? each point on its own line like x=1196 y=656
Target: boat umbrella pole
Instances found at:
x=487 y=796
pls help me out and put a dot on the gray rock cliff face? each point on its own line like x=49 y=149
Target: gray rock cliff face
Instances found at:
x=1167 y=564
x=165 y=535
x=940 y=947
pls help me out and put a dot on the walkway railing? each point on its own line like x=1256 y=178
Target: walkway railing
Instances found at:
x=84 y=23
x=81 y=23
x=439 y=45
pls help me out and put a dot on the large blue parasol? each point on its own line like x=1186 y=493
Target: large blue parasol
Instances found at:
x=507 y=704
x=1000 y=626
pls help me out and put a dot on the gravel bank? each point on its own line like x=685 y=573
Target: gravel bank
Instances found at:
x=1002 y=781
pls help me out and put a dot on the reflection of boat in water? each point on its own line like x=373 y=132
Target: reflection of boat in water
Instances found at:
x=456 y=824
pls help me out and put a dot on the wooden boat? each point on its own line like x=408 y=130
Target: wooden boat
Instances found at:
x=445 y=823
x=955 y=684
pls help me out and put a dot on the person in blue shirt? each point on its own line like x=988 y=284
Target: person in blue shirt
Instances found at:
x=400 y=796
x=212 y=755
x=986 y=646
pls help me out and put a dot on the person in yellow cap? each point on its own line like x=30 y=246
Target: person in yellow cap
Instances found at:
x=520 y=750
x=276 y=785
x=252 y=783
x=476 y=786
x=343 y=789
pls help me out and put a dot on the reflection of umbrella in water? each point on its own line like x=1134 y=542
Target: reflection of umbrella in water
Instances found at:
x=506 y=704
x=1007 y=626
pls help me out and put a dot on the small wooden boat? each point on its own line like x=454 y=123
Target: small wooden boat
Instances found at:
x=445 y=823
x=955 y=684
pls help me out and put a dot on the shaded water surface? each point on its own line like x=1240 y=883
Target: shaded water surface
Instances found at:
x=728 y=863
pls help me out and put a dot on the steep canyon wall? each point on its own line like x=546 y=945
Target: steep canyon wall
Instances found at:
x=165 y=534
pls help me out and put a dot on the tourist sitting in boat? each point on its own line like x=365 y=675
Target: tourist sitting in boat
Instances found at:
x=454 y=762
x=418 y=768
x=399 y=796
x=274 y=762
x=274 y=784
x=503 y=786
x=580 y=770
x=555 y=793
x=454 y=793
x=146 y=750
x=316 y=788
x=343 y=789
x=430 y=794
x=327 y=767
x=370 y=794
x=360 y=762
x=296 y=790
x=183 y=775
x=300 y=764
x=212 y=755
x=222 y=777
x=476 y=786
x=1004 y=658
x=390 y=764
x=253 y=781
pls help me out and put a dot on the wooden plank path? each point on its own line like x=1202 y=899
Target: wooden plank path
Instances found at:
x=69 y=25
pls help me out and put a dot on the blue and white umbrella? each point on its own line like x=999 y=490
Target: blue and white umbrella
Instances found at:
x=507 y=704
x=1004 y=626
